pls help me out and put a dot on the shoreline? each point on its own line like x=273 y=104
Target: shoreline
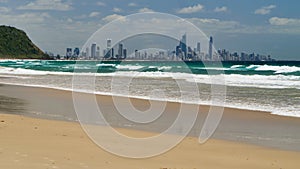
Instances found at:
x=251 y=127
x=146 y=99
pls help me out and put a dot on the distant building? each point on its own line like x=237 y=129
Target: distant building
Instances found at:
x=69 y=53
x=210 y=49
x=108 y=43
x=198 y=50
x=124 y=53
x=87 y=52
x=183 y=46
x=182 y=49
x=76 y=52
x=109 y=50
x=93 y=51
x=120 y=51
x=98 y=52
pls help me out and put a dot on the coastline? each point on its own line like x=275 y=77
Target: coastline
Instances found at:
x=251 y=127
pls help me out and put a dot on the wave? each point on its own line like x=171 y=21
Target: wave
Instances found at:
x=259 y=81
x=275 y=69
x=129 y=67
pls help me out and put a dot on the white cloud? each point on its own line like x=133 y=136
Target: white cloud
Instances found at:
x=284 y=21
x=112 y=17
x=221 y=9
x=132 y=4
x=26 y=18
x=212 y=25
x=57 y=5
x=4 y=9
x=146 y=10
x=265 y=10
x=94 y=14
x=216 y=23
x=70 y=20
x=101 y=4
x=117 y=10
x=191 y=9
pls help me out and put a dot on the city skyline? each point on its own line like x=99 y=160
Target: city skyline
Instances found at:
x=181 y=52
x=263 y=26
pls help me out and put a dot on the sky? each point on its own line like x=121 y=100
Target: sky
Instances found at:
x=260 y=26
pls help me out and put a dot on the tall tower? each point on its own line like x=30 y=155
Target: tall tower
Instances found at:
x=181 y=49
x=109 y=50
x=76 y=52
x=87 y=52
x=210 y=50
x=198 y=49
x=98 y=52
x=108 y=43
x=183 y=45
x=69 y=53
x=93 y=51
x=120 y=51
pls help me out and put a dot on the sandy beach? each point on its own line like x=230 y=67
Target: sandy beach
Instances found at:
x=33 y=136
x=37 y=143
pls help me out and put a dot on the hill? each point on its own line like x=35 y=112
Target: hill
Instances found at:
x=15 y=44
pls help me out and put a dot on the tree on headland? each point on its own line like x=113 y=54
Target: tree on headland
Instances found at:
x=15 y=44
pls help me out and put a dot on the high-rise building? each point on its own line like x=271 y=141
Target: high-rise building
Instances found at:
x=109 y=49
x=93 y=51
x=98 y=52
x=124 y=53
x=198 y=50
x=183 y=45
x=210 y=50
x=69 y=53
x=108 y=43
x=87 y=52
x=181 y=49
x=120 y=51
x=76 y=52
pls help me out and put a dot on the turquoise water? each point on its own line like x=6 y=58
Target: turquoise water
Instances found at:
x=243 y=68
x=268 y=86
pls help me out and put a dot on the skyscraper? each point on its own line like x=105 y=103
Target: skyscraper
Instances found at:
x=108 y=43
x=93 y=51
x=210 y=50
x=124 y=53
x=181 y=49
x=98 y=52
x=69 y=53
x=120 y=51
x=87 y=52
x=109 y=50
x=76 y=52
x=183 y=45
x=198 y=50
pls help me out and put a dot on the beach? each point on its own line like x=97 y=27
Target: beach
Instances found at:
x=33 y=136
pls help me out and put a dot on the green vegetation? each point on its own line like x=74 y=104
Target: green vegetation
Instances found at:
x=15 y=44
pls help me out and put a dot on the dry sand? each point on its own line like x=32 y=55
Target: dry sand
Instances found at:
x=30 y=143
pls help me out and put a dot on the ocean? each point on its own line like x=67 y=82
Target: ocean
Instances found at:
x=265 y=86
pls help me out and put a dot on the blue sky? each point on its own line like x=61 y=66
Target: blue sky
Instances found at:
x=261 y=26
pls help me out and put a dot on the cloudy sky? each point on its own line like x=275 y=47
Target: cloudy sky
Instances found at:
x=261 y=26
